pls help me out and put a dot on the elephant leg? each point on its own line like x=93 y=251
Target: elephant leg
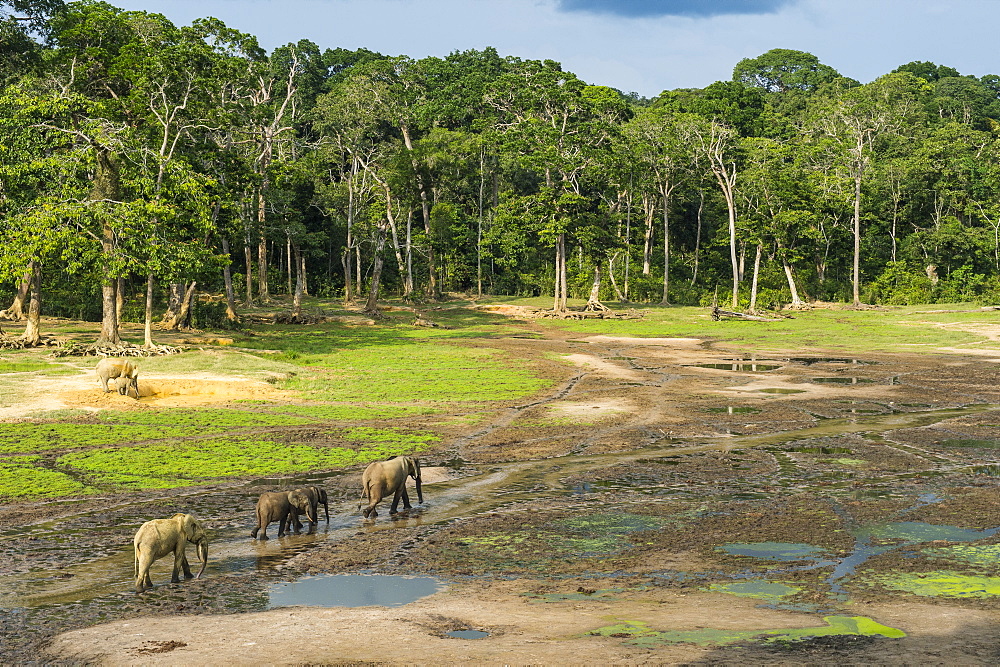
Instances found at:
x=142 y=580
x=178 y=560
x=295 y=524
x=395 y=500
x=406 y=499
x=374 y=498
x=283 y=526
x=184 y=564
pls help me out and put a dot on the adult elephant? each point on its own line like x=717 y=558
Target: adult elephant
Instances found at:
x=159 y=537
x=384 y=477
x=316 y=495
x=277 y=506
x=128 y=375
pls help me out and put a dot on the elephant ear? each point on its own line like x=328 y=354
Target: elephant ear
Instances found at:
x=189 y=525
x=413 y=465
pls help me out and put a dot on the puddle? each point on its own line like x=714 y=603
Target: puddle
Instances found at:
x=809 y=361
x=734 y=410
x=782 y=551
x=741 y=367
x=467 y=634
x=781 y=390
x=352 y=590
x=842 y=380
x=760 y=589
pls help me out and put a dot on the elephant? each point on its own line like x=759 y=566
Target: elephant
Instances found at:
x=277 y=506
x=159 y=537
x=384 y=477
x=316 y=496
x=124 y=370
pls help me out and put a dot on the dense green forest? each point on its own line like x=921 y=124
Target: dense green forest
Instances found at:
x=142 y=163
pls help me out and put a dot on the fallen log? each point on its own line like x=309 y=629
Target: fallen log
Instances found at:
x=718 y=314
x=120 y=350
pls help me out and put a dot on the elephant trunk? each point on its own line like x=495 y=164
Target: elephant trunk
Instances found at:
x=327 y=508
x=203 y=555
x=420 y=494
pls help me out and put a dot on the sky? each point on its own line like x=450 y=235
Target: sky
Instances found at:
x=642 y=46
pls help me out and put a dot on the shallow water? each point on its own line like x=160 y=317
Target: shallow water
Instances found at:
x=352 y=590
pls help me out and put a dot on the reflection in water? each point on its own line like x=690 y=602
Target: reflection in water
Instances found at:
x=352 y=590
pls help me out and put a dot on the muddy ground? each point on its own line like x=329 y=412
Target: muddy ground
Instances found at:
x=668 y=501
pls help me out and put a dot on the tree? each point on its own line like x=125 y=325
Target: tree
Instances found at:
x=784 y=70
x=855 y=122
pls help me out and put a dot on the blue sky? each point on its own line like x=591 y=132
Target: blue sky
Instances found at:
x=645 y=46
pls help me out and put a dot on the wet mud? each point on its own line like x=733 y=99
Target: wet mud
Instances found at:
x=827 y=509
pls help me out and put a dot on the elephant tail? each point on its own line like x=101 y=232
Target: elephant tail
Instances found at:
x=365 y=494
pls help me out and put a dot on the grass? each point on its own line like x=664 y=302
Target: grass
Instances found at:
x=356 y=383
x=905 y=329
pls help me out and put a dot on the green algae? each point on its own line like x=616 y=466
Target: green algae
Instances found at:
x=537 y=547
x=976 y=554
x=640 y=634
x=939 y=583
x=769 y=591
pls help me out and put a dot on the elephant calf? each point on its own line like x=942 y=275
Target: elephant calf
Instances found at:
x=277 y=506
x=316 y=496
x=124 y=370
x=384 y=477
x=159 y=537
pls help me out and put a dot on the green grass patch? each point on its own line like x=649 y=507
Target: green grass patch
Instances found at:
x=21 y=478
x=24 y=437
x=430 y=373
x=213 y=419
x=352 y=412
x=170 y=465
x=821 y=329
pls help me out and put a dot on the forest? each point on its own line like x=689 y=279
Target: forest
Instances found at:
x=144 y=165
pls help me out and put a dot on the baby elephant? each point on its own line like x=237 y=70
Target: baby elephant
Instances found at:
x=159 y=537
x=124 y=370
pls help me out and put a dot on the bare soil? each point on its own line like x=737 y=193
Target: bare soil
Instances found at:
x=608 y=499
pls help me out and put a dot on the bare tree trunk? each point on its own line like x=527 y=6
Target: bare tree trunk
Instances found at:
x=371 y=305
x=666 y=252
x=227 y=277
x=647 y=249
x=248 y=258
x=262 y=290
x=305 y=276
x=148 y=319
x=299 y=283
x=32 y=335
x=433 y=290
x=109 y=295
x=796 y=301
x=753 y=285
x=288 y=256
x=594 y=300
x=856 y=276
x=614 y=284
x=119 y=301
x=179 y=313
x=16 y=309
x=697 y=238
